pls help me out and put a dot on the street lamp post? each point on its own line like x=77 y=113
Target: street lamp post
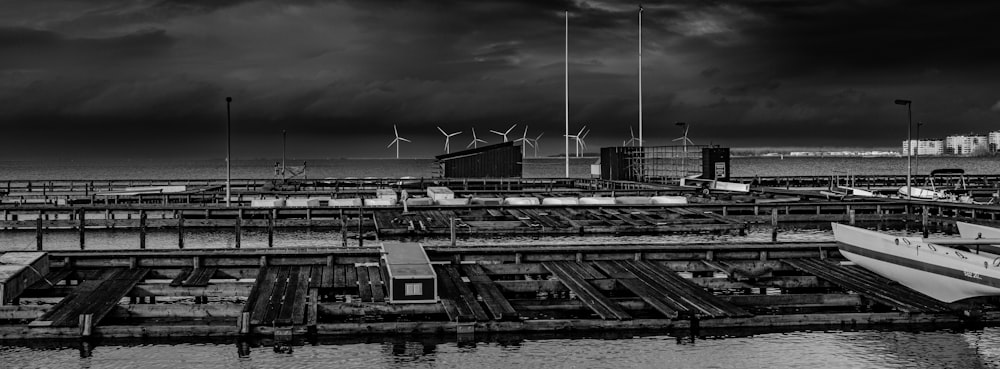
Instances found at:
x=916 y=154
x=909 y=144
x=229 y=142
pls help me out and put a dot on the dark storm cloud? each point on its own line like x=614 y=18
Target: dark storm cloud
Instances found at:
x=339 y=73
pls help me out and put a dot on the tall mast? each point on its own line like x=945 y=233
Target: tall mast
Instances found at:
x=566 y=78
x=640 y=75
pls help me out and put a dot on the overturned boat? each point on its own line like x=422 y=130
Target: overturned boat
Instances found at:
x=945 y=269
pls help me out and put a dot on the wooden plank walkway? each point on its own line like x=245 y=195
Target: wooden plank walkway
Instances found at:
x=663 y=304
x=377 y=286
x=455 y=293
x=496 y=303
x=364 y=284
x=679 y=293
x=197 y=277
x=279 y=296
x=576 y=279
x=871 y=285
x=96 y=297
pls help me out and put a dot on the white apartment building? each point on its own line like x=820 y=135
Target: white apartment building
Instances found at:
x=930 y=146
x=993 y=141
x=965 y=144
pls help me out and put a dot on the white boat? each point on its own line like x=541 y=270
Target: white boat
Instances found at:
x=939 y=268
x=935 y=192
x=975 y=231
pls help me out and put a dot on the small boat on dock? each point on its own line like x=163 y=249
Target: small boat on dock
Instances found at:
x=944 y=269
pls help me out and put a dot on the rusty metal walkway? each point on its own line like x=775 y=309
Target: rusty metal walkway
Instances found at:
x=871 y=285
x=668 y=292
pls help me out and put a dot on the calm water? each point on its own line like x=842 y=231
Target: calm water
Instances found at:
x=802 y=349
x=533 y=167
x=839 y=349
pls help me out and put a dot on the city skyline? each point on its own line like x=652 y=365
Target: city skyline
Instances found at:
x=149 y=79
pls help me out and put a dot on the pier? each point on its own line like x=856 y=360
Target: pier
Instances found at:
x=336 y=289
x=342 y=291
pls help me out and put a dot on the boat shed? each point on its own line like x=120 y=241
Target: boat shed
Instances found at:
x=411 y=277
x=502 y=160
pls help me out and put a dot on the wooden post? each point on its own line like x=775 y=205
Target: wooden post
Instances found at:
x=86 y=324
x=343 y=228
x=239 y=225
x=453 y=231
x=774 y=225
x=82 y=220
x=361 y=212
x=142 y=229
x=38 y=232
x=924 y=220
x=244 y=322
x=271 y=215
x=180 y=229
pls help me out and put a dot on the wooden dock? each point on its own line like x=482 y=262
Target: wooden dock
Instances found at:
x=481 y=288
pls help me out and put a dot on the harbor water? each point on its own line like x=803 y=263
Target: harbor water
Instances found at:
x=974 y=348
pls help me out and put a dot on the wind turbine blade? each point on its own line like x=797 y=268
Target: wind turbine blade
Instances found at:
x=470 y=144
x=442 y=131
x=390 y=144
x=481 y=140
x=394 y=131
x=403 y=139
x=510 y=129
x=539 y=136
x=499 y=133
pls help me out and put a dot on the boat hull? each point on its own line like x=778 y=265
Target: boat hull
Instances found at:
x=940 y=272
x=969 y=230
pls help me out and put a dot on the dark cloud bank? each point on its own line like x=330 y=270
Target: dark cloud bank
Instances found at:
x=148 y=79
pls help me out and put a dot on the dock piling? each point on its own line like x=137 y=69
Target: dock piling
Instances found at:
x=38 y=232
x=82 y=220
x=774 y=225
x=180 y=229
x=142 y=229
x=239 y=224
x=453 y=231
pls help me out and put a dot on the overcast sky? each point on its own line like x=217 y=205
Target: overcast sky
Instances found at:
x=149 y=78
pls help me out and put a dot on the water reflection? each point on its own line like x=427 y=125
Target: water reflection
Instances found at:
x=735 y=348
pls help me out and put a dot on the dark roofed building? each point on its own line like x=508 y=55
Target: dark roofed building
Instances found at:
x=493 y=161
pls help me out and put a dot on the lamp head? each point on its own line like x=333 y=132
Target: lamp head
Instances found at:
x=229 y=99
x=903 y=102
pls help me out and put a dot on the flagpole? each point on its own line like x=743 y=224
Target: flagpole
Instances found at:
x=566 y=79
x=640 y=76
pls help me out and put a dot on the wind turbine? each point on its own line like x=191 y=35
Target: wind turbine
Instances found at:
x=447 y=138
x=684 y=140
x=396 y=140
x=632 y=140
x=504 y=134
x=475 y=140
x=525 y=141
x=534 y=143
x=578 y=138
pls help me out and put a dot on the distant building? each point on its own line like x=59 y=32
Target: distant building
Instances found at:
x=993 y=141
x=930 y=146
x=965 y=144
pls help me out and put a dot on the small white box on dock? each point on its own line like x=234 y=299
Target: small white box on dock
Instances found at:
x=267 y=203
x=340 y=203
x=20 y=270
x=387 y=193
x=302 y=202
x=561 y=201
x=380 y=202
x=453 y=202
x=597 y=201
x=419 y=201
x=668 y=200
x=438 y=193
x=521 y=201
